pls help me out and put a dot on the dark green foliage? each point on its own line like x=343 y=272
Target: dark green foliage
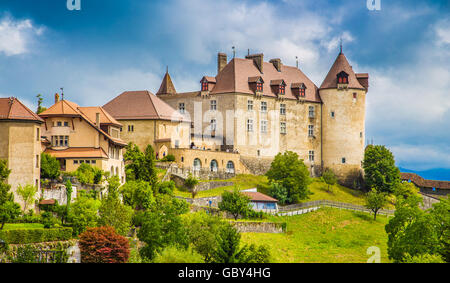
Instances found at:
x=137 y=194
x=329 y=178
x=48 y=220
x=83 y=213
x=375 y=201
x=50 y=167
x=9 y=210
x=40 y=108
x=166 y=187
x=279 y=192
x=235 y=203
x=39 y=235
x=162 y=226
x=140 y=165
x=290 y=172
x=380 y=172
x=88 y=174
x=168 y=158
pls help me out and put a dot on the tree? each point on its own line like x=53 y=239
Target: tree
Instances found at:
x=50 y=167
x=423 y=258
x=88 y=174
x=140 y=165
x=279 y=192
x=137 y=194
x=405 y=190
x=27 y=194
x=9 y=210
x=113 y=212
x=40 y=108
x=162 y=226
x=83 y=213
x=235 y=203
x=440 y=212
x=375 y=201
x=174 y=254
x=411 y=231
x=290 y=171
x=103 y=245
x=69 y=191
x=329 y=178
x=190 y=183
x=380 y=171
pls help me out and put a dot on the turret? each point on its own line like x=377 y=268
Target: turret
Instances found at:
x=343 y=94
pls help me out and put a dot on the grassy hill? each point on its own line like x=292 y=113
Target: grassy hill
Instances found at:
x=326 y=235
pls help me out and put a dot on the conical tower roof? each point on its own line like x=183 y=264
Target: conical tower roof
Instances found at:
x=167 y=86
x=341 y=64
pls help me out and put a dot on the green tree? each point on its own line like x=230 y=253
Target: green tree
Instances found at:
x=375 y=201
x=279 y=192
x=113 y=212
x=290 y=171
x=423 y=258
x=88 y=174
x=40 y=108
x=235 y=203
x=9 y=210
x=329 y=178
x=190 y=183
x=405 y=190
x=380 y=171
x=69 y=191
x=27 y=194
x=140 y=165
x=83 y=213
x=440 y=212
x=50 y=167
x=174 y=254
x=137 y=194
x=163 y=226
x=411 y=231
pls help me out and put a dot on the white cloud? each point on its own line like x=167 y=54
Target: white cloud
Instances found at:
x=422 y=157
x=17 y=35
x=443 y=31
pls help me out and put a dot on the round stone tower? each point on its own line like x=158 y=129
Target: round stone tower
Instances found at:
x=343 y=95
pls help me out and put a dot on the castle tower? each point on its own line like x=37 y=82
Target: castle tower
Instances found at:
x=167 y=86
x=343 y=94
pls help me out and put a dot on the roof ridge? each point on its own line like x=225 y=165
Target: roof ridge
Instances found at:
x=153 y=104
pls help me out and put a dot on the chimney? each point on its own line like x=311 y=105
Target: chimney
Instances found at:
x=258 y=59
x=221 y=61
x=56 y=98
x=97 y=120
x=276 y=63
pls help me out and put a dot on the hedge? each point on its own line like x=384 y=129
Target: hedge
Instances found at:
x=39 y=235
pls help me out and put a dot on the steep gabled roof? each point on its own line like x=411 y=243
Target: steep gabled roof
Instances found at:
x=167 y=86
x=62 y=108
x=105 y=117
x=234 y=77
x=257 y=196
x=12 y=109
x=141 y=105
x=341 y=64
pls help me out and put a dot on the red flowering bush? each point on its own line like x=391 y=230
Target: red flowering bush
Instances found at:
x=103 y=245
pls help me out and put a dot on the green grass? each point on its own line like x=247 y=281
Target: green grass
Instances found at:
x=337 y=193
x=160 y=173
x=14 y=226
x=326 y=235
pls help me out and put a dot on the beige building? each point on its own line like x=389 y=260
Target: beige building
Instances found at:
x=78 y=135
x=20 y=144
x=258 y=109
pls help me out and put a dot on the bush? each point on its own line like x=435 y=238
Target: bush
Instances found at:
x=168 y=158
x=88 y=174
x=235 y=203
x=279 y=192
x=38 y=235
x=423 y=258
x=103 y=245
x=173 y=254
x=50 y=167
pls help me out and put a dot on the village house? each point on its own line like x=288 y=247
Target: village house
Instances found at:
x=432 y=187
x=20 y=144
x=76 y=135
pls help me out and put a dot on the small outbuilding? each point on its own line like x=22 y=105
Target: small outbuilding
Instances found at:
x=261 y=201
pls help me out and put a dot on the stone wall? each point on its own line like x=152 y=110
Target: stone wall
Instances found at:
x=256 y=166
x=258 y=227
x=201 y=186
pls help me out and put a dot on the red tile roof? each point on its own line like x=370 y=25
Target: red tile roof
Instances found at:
x=421 y=182
x=257 y=196
x=105 y=117
x=167 y=86
x=237 y=74
x=141 y=105
x=341 y=64
x=47 y=201
x=12 y=109
x=78 y=152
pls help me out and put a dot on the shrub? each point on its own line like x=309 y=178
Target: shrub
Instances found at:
x=166 y=187
x=50 y=167
x=103 y=245
x=329 y=178
x=235 y=203
x=38 y=235
x=423 y=258
x=279 y=192
x=83 y=213
x=173 y=254
x=88 y=174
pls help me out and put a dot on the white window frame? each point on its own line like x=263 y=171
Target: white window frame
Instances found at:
x=213 y=105
x=263 y=107
x=249 y=125
x=249 y=105
x=282 y=109
x=310 y=130
x=312 y=112
x=182 y=107
x=264 y=124
x=311 y=155
x=283 y=128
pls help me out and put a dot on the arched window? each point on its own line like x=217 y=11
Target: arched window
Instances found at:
x=112 y=171
x=214 y=166
x=197 y=164
x=230 y=167
x=117 y=171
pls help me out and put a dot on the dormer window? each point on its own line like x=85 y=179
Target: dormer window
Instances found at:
x=342 y=78
x=204 y=86
x=281 y=89
x=278 y=86
x=299 y=89
x=256 y=84
x=259 y=87
x=206 y=82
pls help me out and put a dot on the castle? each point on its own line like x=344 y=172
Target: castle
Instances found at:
x=249 y=112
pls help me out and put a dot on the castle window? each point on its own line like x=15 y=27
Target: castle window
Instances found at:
x=249 y=125
x=343 y=160
x=264 y=126
x=282 y=109
x=213 y=124
x=250 y=105
x=181 y=108
x=281 y=89
x=213 y=105
x=130 y=128
x=332 y=114
x=263 y=106
x=311 y=155
x=59 y=123
x=38 y=136
x=204 y=86
x=310 y=130
x=360 y=134
x=259 y=87
x=37 y=160
x=66 y=124
x=283 y=127
x=75 y=162
x=301 y=92
x=354 y=95
x=311 y=112
x=342 y=78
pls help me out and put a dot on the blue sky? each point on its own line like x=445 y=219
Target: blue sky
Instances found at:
x=117 y=45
